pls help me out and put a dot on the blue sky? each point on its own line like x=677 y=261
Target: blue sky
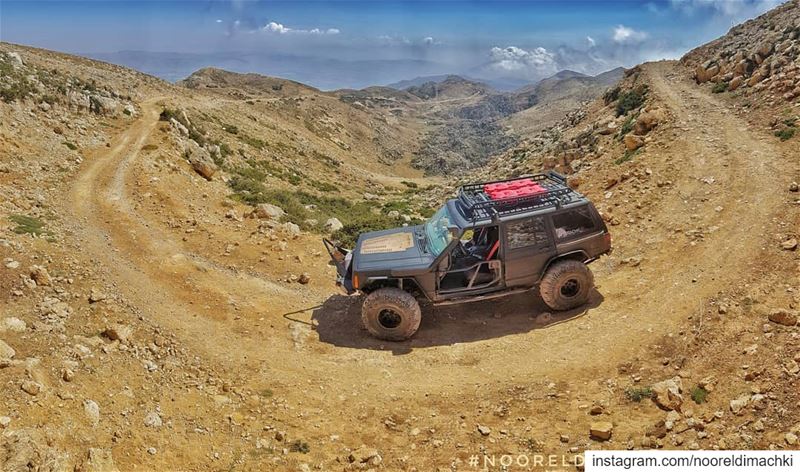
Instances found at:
x=358 y=43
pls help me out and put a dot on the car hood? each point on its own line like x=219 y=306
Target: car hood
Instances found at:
x=391 y=251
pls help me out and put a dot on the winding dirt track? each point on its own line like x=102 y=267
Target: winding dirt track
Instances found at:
x=457 y=349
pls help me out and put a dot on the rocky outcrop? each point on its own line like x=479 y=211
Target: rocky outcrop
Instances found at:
x=759 y=55
x=200 y=159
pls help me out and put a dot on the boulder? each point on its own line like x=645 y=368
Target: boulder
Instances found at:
x=365 y=455
x=291 y=229
x=200 y=160
x=667 y=394
x=15 y=59
x=333 y=224
x=40 y=275
x=765 y=48
x=92 y=410
x=601 y=430
x=103 y=105
x=178 y=126
x=268 y=210
x=78 y=99
x=633 y=142
x=647 y=121
x=118 y=332
x=739 y=404
x=790 y=244
x=705 y=73
x=6 y=352
x=754 y=79
x=735 y=83
x=783 y=317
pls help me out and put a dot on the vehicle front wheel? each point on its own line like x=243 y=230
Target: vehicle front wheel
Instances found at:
x=566 y=285
x=392 y=314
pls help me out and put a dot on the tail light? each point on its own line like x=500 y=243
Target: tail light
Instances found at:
x=355 y=280
x=607 y=238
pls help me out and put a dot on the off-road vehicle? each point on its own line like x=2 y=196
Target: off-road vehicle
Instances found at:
x=495 y=239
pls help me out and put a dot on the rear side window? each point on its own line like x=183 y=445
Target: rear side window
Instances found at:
x=529 y=232
x=573 y=223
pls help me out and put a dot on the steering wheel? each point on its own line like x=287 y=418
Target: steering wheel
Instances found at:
x=460 y=251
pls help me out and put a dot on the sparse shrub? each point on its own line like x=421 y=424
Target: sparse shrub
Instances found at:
x=232 y=129
x=720 y=87
x=631 y=99
x=626 y=157
x=638 y=394
x=699 y=395
x=71 y=146
x=16 y=90
x=627 y=126
x=149 y=147
x=362 y=223
x=786 y=133
x=611 y=95
x=169 y=114
x=253 y=142
x=409 y=184
x=300 y=446
x=28 y=225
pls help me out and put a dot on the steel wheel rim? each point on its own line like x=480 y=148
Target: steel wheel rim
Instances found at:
x=389 y=319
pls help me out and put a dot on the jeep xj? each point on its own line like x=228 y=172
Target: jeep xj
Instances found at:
x=494 y=239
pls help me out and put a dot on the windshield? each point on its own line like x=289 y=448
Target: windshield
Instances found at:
x=437 y=234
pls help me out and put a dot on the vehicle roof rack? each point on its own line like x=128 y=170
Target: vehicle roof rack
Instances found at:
x=476 y=204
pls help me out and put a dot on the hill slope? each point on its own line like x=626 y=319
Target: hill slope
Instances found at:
x=154 y=316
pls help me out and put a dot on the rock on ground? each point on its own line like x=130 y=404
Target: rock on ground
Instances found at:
x=667 y=394
x=6 y=351
x=783 y=317
x=333 y=224
x=268 y=210
x=601 y=430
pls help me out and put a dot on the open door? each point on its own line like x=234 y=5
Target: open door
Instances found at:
x=473 y=265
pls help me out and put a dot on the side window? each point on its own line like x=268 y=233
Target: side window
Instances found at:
x=527 y=232
x=573 y=223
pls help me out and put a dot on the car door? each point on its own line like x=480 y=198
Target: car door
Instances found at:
x=528 y=246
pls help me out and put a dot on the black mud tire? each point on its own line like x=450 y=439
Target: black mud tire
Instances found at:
x=391 y=314
x=566 y=285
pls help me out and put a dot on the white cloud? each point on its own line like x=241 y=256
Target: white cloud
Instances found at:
x=517 y=61
x=591 y=41
x=278 y=28
x=219 y=21
x=626 y=35
x=428 y=41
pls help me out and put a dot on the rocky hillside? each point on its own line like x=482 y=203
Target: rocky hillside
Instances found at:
x=758 y=61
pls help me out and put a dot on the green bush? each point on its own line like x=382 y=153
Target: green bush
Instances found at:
x=300 y=446
x=638 y=394
x=409 y=184
x=28 y=225
x=699 y=395
x=71 y=146
x=631 y=100
x=720 y=87
x=626 y=127
x=18 y=90
x=786 y=133
x=232 y=129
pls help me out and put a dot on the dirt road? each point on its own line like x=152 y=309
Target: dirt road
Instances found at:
x=722 y=175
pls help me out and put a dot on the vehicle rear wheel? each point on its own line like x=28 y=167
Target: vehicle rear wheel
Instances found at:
x=392 y=314
x=566 y=285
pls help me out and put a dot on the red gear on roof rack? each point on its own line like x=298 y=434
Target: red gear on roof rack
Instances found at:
x=513 y=188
